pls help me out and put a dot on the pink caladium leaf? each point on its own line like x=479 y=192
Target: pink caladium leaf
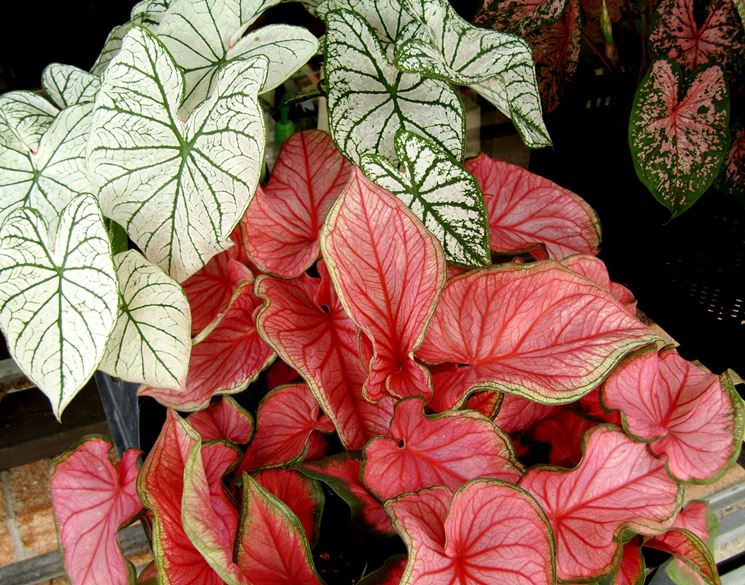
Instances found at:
x=486 y=403
x=492 y=326
x=691 y=416
x=389 y=574
x=301 y=494
x=595 y=270
x=225 y=361
x=93 y=498
x=283 y=222
x=518 y=414
x=617 y=485
x=564 y=432
x=225 y=419
x=519 y=16
x=388 y=271
x=732 y=176
x=631 y=568
x=591 y=406
x=526 y=209
x=272 y=547
x=679 y=135
x=304 y=322
x=446 y=449
x=487 y=532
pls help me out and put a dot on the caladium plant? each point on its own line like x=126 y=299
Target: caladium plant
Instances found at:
x=430 y=321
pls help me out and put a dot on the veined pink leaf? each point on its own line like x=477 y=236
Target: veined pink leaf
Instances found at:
x=446 y=449
x=300 y=493
x=695 y=517
x=517 y=414
x=732 y=176
x=688 y=414
x=617 y=485
x=590 y=406
x=595 y=270
x=679 y=136
x=272 y=548
x=388 y=271
x=304 y=322
x=563 y=432
x=537 y=330
x=93 y=498
x=283 y=222
x=487 y=532
x=227 y=360
x=525 y=209
x=223 y=419
x=389 y=574
x=280 y=374
x=631 y=569
x=486 y=403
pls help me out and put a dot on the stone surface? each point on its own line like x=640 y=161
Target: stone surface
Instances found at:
x=7 y=549
x=29 y=486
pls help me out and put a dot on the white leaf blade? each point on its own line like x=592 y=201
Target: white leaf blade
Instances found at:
x=24 y=118
x=387 y=17
x=110 y=48
x=68 y=86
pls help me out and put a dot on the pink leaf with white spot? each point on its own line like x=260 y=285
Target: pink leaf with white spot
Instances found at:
x=223 y=419
x=519 y=16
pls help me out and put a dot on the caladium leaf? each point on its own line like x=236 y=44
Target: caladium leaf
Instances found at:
x=631 y=568
x=519 y=16
x=25 y=117
x=272 y=547
x=150 y=343
x=486 y=402
x=149 y=12
x=679 y=136
x=591 y=406
x=58 y=297
x=507 y=541
x=617 y=485
x=690 y=415
x=369 y=100
x=693 y=558
x=93 y=498
x=386 y=17
x=525 y=209
x=732 y=176
x=111 y=48
x=446 y=449
x=538 y=318
x=68 y=86
x=518 y=414
x=440 y=192
x=178 y=188
x=564 y=432
x=284 y=219
x=595 y=270
x=223 y=419
x=388 y=271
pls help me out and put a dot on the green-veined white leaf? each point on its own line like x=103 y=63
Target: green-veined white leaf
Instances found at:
x=149 y=13
x=111 y=48
x=151 y=341
x=440 y=192
x=369 y=100
x=497 y=65
x=58 y=296
x=387 y=17
x=24 y=118
x=68 y=85
x=47 y=179
x=178 y=188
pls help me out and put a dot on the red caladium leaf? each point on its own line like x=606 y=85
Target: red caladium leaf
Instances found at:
x=486 y=403
x=284 y=220
x=223 y=419
x=279 y=373
x=732 y=177
x=517 y=414
x=93 y=498
x=227 y=360
x=631 y=569
x=446 y=449
x=304 y=322
x=494 y=325
x=525 y=209
x=389 y=574
x=388 y=270
x=617 y=485
x=590 y=406
x=563 y=432
x=487 y=532
x=595 y=270
x=300 y=493
x=272 y=547
x=679 y=137
x=688 y=414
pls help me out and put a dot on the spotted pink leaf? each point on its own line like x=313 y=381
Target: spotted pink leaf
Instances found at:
x=227 y=360
x=595 y=270
x=526 y=209
x=487 y=532
x=564 y=432
x=518 y=16
x=446 y=449
x=537 y=330
x=388 y=271
x=691 y=416
x=284 y=220
x=631 y=569
x=517 y=414
x=617 y=485
x=224 y=418
x=679 y=136
x=93 y=498
x=732 y=177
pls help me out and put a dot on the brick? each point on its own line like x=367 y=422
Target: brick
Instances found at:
x=37 y=530
x=7 y=549
x=29 y=486
x=3 y=506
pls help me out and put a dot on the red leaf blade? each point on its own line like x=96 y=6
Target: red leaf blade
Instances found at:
x=223 y=419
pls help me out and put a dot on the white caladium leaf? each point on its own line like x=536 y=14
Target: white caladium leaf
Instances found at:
x=202 y=35
x=440 y=192
x=24 y=118
x=369 y=100
x=48 y=178
x=386 y=17
x=58 y=297
x=178 y=188
x=151 y=341
x=67 y=85
x=111 y=48
x=149 y=13
x=497 y=65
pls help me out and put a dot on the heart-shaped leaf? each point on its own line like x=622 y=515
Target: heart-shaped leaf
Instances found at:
x=369 y=100
x=487 y=532
x=93 y=498
x=679 y=136
x=618 y=485
x=388 y=271
x=25 y=117
x=223 y=419
x=440 y=193
x=67 y=85
x=284 y=220
x=178 y=188
x=58 y=297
